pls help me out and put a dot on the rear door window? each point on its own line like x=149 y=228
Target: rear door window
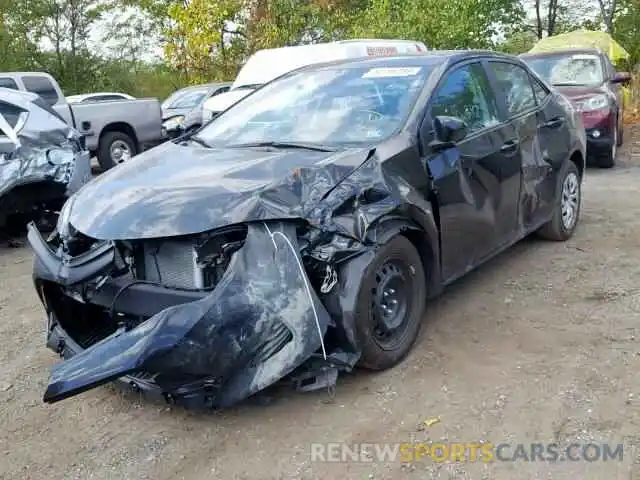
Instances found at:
x=41 y=86
x=515 y=84
x=539 y=90
x=6 y=82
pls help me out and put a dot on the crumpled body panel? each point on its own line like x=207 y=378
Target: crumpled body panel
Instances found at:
x=44 y=152
x=264 y=296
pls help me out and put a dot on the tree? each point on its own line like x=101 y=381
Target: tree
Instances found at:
x=452 y=24
x=201 y=40
x=608 y=12
x=626 y=28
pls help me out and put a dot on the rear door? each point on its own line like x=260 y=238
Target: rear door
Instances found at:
x=541 y=129
x=477 y=191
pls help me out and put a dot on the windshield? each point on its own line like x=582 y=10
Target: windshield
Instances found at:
x=575 y=69
x=186 y=99
x=328 y=107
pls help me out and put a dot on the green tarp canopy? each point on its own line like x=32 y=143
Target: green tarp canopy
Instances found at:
x=583 y=39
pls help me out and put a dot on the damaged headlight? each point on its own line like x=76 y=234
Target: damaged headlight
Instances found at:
x=63 y=225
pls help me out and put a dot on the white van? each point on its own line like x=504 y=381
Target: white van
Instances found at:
x=265 y=65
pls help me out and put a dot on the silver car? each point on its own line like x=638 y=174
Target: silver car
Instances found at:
x=42 y=160
x=182 y=110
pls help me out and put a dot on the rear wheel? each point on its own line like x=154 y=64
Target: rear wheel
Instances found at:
x=608 y=160
x=115 y=147
x=390 y=304
x=566 y=213
x=621 y=134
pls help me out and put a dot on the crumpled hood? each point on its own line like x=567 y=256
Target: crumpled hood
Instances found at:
x=181 y=189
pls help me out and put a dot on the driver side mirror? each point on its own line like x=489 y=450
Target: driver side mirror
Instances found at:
x=622 y=77
x=448 y=132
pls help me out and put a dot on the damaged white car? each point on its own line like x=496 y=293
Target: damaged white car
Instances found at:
x=42 y=160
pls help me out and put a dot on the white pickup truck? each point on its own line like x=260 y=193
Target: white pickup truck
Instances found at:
x=113 y=130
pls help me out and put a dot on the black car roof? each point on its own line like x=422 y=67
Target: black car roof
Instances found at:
x=432 y=58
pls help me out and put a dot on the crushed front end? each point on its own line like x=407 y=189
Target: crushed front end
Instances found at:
x=203 y=320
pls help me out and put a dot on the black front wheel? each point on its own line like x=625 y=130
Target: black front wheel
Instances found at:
x=391 y=303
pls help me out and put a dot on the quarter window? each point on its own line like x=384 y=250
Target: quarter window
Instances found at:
x=11 y=113
x=43 y=87
x=514 y=83
x=466 y=94
x=8 y=83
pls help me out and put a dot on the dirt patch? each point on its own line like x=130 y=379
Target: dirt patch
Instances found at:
x=540 y=345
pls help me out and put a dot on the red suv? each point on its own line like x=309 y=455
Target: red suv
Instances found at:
x=588 y=78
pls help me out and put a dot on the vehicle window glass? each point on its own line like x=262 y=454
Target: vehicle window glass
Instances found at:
x=43 y=87
x=187 y=99
x=8 y=83
x=11 y=113
x=514 y=84
x=569 y=69
x=611 y=71
x=102 y=98
x=466 y=94
x=328 y=106
x=539 y=90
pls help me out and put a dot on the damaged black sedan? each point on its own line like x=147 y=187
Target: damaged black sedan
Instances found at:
x=302 y=231
x=42 y=160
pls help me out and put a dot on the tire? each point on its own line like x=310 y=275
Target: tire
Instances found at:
x=608 y=160
x=621 y=135
x=557 y=229
x=110 y=139
x=397 y=264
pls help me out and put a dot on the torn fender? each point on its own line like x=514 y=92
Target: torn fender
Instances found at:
x=261 y=321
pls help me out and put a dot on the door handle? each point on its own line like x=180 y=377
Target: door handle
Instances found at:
x=466 y=162
x=553 y=123
x=509 y=147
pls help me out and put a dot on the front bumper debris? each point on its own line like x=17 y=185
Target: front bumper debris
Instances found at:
x=260 y=323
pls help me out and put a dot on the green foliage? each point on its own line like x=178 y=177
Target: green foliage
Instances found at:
x=204 y=40
x=626 y=28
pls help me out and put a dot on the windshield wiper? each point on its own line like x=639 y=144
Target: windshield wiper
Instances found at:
x=569 y=84
x=198 y=141
x=300 y=145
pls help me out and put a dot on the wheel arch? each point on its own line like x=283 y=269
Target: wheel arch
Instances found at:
x=421 y=230
x=580 y=162
x=122 y=127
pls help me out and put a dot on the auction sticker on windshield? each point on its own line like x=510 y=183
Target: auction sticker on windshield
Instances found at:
x=392 y=72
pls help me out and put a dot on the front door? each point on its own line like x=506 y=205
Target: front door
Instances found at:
x=477 y=181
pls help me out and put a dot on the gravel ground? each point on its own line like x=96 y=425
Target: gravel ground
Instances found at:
x=539 y=345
